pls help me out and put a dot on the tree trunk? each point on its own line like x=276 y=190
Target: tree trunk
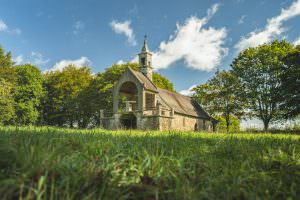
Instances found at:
x=227 y=124
x=266 y=124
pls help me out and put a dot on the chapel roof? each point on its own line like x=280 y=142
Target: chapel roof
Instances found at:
x=145 y=81
x=180 y=103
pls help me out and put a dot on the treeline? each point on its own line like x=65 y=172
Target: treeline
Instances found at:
x=263 y=82
x=72 y=97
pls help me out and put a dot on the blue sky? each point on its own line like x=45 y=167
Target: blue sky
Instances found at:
x=190 y=39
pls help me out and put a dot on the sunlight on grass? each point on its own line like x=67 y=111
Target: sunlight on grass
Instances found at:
x=56 y=163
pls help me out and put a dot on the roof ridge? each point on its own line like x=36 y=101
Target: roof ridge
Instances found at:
x=143 y=79
x=133 y=71
x=176 y=93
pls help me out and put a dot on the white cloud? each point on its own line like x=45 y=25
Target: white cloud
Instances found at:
x=83 y=61
x=3 y=26
x=18 y=60
x=201 y=48
x=121 y=62
x=297 y=41
x=188 y=92
x=35 y=58
x=273 y=28
x=124 y=28
x=38 y=59
x=78 y=26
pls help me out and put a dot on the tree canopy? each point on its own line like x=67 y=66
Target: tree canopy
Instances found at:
x=290 y=87
x=28 y=92
x=259 y=70
x=219 y=96
x=61 y=105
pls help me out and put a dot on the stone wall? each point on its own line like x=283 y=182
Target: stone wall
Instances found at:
x=184 y=123
x=149 y=123
x=176 y=122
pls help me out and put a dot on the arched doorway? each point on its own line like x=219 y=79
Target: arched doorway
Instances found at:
x=128 y=121
x=128 y=97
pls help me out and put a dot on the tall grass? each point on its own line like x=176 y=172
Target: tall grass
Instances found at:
x=54 y=163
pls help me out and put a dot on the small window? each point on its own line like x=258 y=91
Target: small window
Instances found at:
x=183 y=122
x=163 y=112
x=143 y=60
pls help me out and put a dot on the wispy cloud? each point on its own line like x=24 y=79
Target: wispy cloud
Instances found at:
x=125 y=29
x=188 y=92
x=297 y=41
x=201 y=48
x=38 y=59
x=35 y=58
x=83 y=61
x=5 y=28
x=120 y=62
x=18 y=60
x=78 y=26
x=273 y=28
x=242 y=19
x=134 y=10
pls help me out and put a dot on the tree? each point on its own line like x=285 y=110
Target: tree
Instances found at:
x=7 y=72
x=290 y=87
x=222 y=124
x=219 y=96
x=28 y=92
x=7 y=80
x=62 y=104
x=6 y=66
x=7 y=110
x=162 y=82
x=259 y=70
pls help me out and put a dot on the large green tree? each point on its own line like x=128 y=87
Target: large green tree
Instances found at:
x=28 y=92
x=7 y=71
x=7 y=81
x=219 y=96
x=63 y=103
x=290 y=84
x=7 y=105
x=259 y=70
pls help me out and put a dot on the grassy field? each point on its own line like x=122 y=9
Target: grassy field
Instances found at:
x=53 y=163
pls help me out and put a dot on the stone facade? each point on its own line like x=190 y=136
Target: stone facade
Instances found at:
x=139 y=104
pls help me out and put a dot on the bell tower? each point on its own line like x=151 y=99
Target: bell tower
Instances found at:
x=145 y=60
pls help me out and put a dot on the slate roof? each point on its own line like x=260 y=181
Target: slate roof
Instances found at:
x=148 y=84
x=182 y=104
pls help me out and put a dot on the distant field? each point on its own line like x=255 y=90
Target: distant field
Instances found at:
x=53 y=163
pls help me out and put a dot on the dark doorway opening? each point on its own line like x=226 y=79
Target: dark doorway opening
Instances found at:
x=128 y=121
x=196 y=127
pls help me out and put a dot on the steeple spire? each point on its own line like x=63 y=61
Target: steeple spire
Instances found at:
x=145 y=60
x=145 y=46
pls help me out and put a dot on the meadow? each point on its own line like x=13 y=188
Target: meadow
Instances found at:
x=55 y=163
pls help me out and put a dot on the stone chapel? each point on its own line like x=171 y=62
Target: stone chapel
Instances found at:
x=139 y=104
